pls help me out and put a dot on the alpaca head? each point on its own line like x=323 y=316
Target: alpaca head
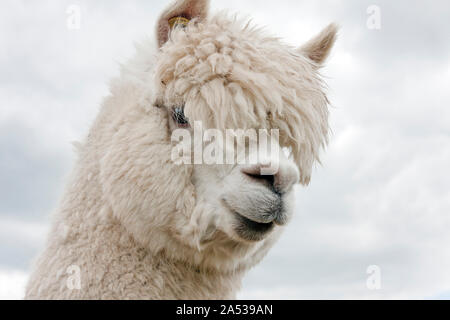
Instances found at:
x=222 y=75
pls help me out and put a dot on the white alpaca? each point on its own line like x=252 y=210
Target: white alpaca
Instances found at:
x=135 y=225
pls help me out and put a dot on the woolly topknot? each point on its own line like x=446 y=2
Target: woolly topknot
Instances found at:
x=230 y=75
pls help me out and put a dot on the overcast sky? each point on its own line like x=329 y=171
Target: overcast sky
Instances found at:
x=382 y=196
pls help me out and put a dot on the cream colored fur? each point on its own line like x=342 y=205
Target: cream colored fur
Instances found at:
x=139 y=226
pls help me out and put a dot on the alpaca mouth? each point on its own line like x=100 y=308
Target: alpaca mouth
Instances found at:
x=251 y=230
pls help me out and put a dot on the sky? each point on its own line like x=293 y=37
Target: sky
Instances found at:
x=373 y=224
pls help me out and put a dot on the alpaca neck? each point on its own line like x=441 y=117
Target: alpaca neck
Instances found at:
x=118 y=259
x=188 y=282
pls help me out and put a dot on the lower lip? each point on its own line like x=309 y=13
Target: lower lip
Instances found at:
x=253 y=226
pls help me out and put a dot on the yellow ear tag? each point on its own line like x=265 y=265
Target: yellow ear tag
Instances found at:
x=178 y=22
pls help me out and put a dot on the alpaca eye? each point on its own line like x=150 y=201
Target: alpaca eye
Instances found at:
x=179 y=117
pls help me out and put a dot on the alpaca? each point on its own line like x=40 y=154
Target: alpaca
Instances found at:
x=132 y=223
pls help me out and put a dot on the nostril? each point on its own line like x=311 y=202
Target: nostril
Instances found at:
x=269 y=179
x=254 y=172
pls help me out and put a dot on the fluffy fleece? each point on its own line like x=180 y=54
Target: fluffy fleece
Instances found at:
x=137 y=225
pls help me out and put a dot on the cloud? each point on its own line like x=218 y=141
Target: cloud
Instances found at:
x=32 y=173
x=12 y=285
x=380 y=198
x=20 y=241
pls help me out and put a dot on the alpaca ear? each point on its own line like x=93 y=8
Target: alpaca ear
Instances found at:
x=318 y=48
x=185 y=10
